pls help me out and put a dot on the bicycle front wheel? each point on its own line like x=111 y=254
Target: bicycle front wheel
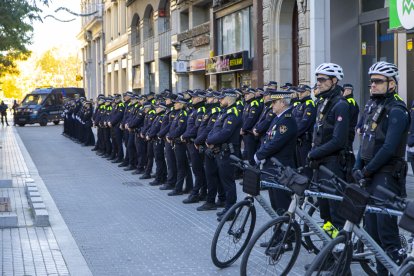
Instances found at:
x=274 y=249
x=232 y=235
x=334 y=258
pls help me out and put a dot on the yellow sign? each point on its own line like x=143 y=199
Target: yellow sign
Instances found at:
x=364 y=48
x=410 y=44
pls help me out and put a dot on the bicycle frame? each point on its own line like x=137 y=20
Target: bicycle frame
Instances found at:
x=375 y=249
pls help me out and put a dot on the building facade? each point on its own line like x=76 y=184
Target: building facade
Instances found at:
x=92 y=49
x=149 y=40
x=148 y=46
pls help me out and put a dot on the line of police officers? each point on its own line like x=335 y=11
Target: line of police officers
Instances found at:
x=204 y=127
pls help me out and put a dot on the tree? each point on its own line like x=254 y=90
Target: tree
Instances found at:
x=10 y=89
x=16 y=31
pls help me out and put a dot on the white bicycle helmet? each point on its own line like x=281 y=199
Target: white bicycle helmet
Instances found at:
x=387 y=69
x=330 y=69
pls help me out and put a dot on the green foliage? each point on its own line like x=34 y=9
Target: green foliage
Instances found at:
x=16 y=31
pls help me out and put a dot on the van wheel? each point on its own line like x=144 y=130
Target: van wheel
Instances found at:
x=56 y=122
x=21 y=124
x=43 y=121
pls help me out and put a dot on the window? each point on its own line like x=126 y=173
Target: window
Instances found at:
x=135 y=30
x=151 y=24
x=370 y=5
x=234 y=33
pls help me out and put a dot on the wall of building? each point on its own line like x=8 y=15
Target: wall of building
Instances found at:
x=116 y=47
x=277 y=41
x=345 y=42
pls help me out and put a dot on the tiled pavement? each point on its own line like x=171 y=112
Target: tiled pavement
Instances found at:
x=30 y=250
x=121 y=225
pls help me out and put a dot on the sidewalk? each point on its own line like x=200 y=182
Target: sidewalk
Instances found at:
x=30 y=250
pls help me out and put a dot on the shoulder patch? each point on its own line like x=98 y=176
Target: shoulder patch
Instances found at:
x=282 y=129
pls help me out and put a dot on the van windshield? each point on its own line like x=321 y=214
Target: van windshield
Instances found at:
x=34 y=99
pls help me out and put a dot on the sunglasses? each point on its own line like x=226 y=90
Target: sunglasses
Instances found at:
x=321 y=80
x=378 y=81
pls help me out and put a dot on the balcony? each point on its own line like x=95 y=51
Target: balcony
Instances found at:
x=164 y=44
x=136 y=54
x=149 y=49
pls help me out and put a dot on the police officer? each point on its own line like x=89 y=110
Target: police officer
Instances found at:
x=158 y=144
x=305 y=115
x=150 y=115
x=194 y=122
x=106 y=128
x=96 y=118
x=280 y=142
x=250 y=116
x=214 y=185
x=266 y=117
x=380 y=160
x=114 y=122
x=330 y=133
x=136 y=123
x=127 y=113
x=294 y=96
x=286 y=86
x=347 y=93
x=89 y=137
x=410 y=139
x=177 y=128
x=169 y=151
x=131 y=149
x=222 y=140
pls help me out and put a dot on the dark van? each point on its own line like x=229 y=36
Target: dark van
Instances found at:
x=45 y=105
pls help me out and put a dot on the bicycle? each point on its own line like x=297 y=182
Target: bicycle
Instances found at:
x=335 y=257
x=277 y=243
x=236 y=232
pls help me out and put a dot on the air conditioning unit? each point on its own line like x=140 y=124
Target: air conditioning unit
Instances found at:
x=88 y=35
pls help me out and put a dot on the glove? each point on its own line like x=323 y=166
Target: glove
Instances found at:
x=209 y=153
x=357 y=175
x=258 y=162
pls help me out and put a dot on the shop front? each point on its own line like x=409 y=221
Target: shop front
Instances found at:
x=229 y=71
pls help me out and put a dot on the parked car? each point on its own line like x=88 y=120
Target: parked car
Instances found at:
x=45 y=105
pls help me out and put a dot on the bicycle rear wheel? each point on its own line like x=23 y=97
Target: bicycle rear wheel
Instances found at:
x=273 y=250
x=232 y=237
x=334 y=258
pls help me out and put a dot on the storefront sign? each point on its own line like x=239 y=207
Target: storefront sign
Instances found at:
x=410 y=44
x=401 y=13
x=180 y=66
x=197 y=65
x=364 y=48
x=228 y=63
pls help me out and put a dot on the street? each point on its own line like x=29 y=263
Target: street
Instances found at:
x=121 y=225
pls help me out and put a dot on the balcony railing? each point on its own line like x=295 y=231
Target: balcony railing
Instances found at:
x=164 y=44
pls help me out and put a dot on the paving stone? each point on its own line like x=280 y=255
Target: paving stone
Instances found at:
x=6 y=183
x=31 y=189
x=8 y=219
x=41 y=217
x=34 y=194
x=34 y=199
x=29 y=180
x=40 y=205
